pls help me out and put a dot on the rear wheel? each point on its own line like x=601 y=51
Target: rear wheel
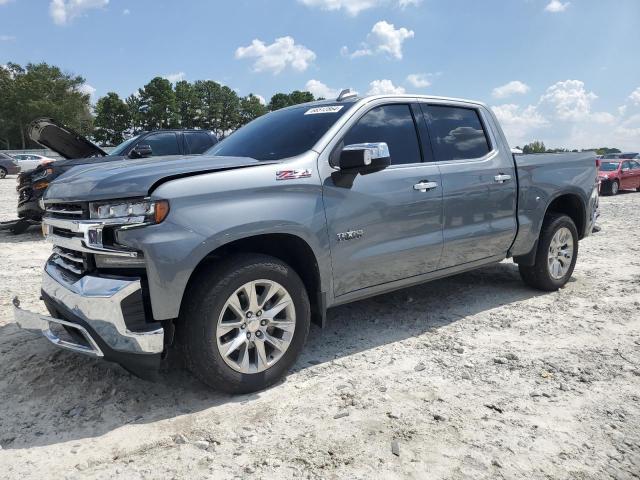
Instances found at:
x=3 y=172
x=556 y=254
x=244 y=325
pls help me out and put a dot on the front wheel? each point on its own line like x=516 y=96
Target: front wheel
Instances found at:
x=614 y=188
x=556 y=254
x=244 y=323
x=3 y=172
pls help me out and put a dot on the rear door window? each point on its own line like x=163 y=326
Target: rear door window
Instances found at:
x=164 y=143
x=392 y=124
x=456 y=133
x=198 y=142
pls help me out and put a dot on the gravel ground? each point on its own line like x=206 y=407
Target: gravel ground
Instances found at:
x=475 y=376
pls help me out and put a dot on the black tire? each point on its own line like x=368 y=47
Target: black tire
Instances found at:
x=538 y=276
x=203 y=304
x=613 y=188
x=3 y=172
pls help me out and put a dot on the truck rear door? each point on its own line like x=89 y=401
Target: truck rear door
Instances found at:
x=478 y=183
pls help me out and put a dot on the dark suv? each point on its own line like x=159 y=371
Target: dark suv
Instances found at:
x=77 y=150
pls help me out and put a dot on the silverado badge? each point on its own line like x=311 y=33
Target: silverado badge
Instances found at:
x=350 y=235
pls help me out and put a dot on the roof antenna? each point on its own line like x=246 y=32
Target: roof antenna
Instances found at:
x=346 y=93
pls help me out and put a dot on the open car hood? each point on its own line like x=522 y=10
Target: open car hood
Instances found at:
x=62 y=140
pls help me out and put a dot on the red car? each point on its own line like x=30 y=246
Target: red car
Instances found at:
x=616 y=175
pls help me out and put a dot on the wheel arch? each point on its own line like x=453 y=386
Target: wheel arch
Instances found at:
x=571 y=204
x=290 y=248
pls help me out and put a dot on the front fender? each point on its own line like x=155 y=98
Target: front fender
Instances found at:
x=204 y=218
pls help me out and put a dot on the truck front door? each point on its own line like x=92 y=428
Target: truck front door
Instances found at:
x=383 y=226
x=478 y=183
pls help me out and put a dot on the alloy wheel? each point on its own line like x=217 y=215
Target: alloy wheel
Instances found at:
x=560 y=253
x=256 y=326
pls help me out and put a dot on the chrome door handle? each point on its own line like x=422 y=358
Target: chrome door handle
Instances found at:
x=502 y=178
x=425 y=186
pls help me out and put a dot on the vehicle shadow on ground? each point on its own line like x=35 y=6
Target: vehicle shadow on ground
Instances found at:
x=56 y=396
x=32 y=234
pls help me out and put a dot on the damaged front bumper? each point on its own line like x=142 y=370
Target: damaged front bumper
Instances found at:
x=93 y=315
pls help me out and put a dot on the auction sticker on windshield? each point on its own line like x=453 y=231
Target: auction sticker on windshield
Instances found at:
x=316 y=110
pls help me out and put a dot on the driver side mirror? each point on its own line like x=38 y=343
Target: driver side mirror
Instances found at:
x=364 y=157
x=141 y=151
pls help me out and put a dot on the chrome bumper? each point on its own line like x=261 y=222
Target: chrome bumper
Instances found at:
x=95 y=301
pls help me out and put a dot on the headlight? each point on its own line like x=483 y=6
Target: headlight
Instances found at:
x=145 y=210
x=42 y=174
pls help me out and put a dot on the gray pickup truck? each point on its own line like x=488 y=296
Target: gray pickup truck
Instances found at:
x=233 y=254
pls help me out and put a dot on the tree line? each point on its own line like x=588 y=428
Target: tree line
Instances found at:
x=43 y=90
x=538 y=147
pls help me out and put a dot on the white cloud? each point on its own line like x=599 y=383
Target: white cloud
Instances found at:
x=519 y=124
x=382 y=87
x=64 y=11
x=279 y=55
x=86 y=89
x=7 y=38
x=175 y=77
x=354 y=7
x=635 y=96
x=260 y=98
x=320 y=90
x=565 y=117
x=409 y=3
x=4 y=2
x=570 y=100
x=419 y=80
x=126 y=11
x=515 y=87
x=556 y=6
x=602 y=118
x=383 y=38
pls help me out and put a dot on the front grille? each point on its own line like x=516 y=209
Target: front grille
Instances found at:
x=67 y=210
x=73 y=262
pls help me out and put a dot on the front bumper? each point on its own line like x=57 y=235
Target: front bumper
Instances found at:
x=92 y=310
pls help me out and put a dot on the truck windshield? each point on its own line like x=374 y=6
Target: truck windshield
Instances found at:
x=609 y=166
x=281 y=134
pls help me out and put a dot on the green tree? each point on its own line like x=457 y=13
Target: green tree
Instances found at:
x=534 y=147
x=40 y=90
x=229 y=108
x=113 y=119
x=251 y=108
x=207 y=97
x=296 y=97
x=605 y=150
x=188 y=107
x=158 y=104
x=281 y=100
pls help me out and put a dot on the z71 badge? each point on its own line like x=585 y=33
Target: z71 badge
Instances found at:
x=292 y=174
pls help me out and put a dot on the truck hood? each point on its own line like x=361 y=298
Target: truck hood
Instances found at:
x=62 y=140
x=138 y=178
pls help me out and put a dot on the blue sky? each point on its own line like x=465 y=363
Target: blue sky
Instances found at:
x=565 y=72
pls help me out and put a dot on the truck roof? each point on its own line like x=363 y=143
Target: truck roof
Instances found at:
x=360 y=98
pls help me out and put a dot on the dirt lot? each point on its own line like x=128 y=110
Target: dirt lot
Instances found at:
x=475 y=376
